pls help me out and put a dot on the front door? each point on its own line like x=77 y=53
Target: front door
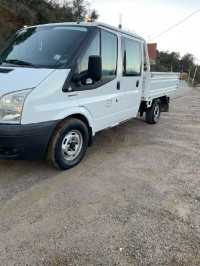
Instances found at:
x=101 y=98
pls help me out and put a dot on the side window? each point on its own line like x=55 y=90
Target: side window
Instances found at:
x=93 y=49
x=132 y=58
x=104 y=44
x=108 y=53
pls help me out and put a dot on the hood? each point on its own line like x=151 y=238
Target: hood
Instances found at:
x=20 y=78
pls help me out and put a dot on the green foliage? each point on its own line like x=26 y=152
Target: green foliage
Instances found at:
x=166 y=61
x=94 y=14
x=187 y=61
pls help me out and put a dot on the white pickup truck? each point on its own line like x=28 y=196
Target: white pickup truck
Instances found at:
x=62 y=83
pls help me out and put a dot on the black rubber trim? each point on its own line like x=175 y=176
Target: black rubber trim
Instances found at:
x=21 y=142
x=29 y=129
x=5 y=70
x=101 y=82
x=69 y=78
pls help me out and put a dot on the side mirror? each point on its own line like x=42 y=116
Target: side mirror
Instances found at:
x=94 y=71
x=95 y=67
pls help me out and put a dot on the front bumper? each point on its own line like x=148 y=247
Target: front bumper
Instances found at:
x=22 y=142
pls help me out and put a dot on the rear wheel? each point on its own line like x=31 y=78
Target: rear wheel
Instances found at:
x=68 y=144
x=153 y=113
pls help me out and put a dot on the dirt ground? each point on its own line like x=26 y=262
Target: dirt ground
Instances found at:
x=133 y=200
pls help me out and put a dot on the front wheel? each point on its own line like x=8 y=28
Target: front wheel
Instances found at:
x=68 y=144
x=153 y=113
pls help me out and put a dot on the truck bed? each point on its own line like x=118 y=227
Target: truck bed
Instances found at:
x=158 y=84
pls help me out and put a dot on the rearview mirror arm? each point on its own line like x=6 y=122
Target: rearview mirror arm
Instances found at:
x=79 y=77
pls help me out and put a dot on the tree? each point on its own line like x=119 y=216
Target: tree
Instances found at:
x=168 y=60
x=94 y=14
x=79 y=10
x=187 y=61
x=175 y=61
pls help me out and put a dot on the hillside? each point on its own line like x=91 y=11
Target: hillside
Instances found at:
x=8 y=24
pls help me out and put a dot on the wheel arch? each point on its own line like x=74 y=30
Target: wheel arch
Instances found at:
x=164 y=103
x=82 y=117
x=144 y=105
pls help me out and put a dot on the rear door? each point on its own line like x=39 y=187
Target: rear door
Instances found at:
x=101 y=98
x=131 y=76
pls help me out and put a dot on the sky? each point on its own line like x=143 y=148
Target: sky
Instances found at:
x=148 y=18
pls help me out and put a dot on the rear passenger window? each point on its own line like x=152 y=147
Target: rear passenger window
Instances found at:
x=131 y=57
x=108 y=53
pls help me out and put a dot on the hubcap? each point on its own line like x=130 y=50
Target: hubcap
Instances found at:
x=71 y=145
x=156 y=112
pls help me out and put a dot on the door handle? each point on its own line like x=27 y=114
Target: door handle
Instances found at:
x=118 y=85
x=71 y=95
x=137 y=83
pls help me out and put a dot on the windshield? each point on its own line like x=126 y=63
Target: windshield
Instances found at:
x=47 y=46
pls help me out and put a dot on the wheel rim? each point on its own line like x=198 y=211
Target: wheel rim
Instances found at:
x=156 y=112
x=71 y=145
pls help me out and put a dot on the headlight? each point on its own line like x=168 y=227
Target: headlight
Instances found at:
x=11 y=106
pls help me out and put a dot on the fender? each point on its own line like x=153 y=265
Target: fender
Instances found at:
x=77 y=111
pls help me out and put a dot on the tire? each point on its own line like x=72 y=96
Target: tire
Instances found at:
x=153 y=113
x=68 y=144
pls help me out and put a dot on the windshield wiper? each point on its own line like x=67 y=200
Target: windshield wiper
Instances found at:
x=17 y=62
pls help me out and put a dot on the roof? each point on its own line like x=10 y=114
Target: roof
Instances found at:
x=92 y=24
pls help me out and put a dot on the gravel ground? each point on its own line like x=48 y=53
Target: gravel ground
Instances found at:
x=134 y=199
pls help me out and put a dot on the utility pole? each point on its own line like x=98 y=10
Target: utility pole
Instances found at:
x=182 y=74
x=195 y=71
x=194 y=74
x=120 y=21
x=189 y=74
